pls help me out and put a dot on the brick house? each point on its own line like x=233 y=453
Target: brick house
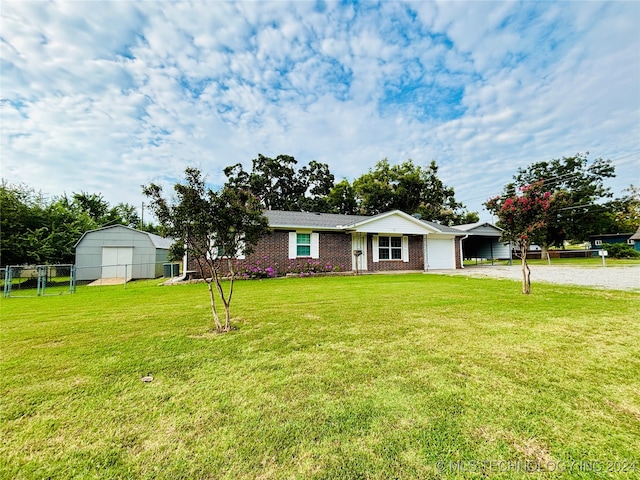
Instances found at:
x=391 y=241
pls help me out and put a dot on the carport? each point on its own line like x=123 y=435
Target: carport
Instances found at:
x=483 y=242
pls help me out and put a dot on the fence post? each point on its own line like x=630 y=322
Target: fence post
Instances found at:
x=8 y=280
x=42 y=280
x=72 y=279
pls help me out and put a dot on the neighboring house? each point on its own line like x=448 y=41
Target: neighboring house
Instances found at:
x=118 y=252
x=632 y=239
x=483 y=242
x=391 y=241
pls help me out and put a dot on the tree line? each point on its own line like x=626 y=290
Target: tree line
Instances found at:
x=38 y=230
x=35 y=229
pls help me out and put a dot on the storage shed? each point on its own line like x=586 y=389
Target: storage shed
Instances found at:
x=118 y=251
x=483 y=242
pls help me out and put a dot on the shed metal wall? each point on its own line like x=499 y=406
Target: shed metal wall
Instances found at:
x=147 y=259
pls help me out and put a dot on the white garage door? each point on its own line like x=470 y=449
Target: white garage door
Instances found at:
x=440 y=253
x=117 y=262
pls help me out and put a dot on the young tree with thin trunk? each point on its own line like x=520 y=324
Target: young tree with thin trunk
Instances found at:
x=524 y=218
x=213 y=228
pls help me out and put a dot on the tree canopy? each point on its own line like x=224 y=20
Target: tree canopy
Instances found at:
x=622 y=214
x=578 y=186
x=412 y=189
x=280 y=186
x=44 y=231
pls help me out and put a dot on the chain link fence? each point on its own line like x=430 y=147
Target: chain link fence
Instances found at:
x=38 y=280
x=47 y=280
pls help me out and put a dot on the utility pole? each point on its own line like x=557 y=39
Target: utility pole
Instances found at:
x=142 y=217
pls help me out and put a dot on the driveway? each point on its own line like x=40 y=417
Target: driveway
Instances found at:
x=615 y=278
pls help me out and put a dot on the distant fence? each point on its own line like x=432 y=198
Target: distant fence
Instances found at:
x=537 y=254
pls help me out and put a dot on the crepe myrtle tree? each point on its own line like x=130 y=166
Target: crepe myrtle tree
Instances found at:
x=524 y=218
x=212 y=228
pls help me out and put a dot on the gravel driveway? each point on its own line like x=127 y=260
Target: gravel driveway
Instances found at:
x=615 y=278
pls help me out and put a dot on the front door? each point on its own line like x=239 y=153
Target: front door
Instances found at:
x=359 y=244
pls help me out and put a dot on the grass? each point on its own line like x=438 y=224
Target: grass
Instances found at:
x=397 y=376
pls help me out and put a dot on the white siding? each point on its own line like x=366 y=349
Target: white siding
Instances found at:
x=394 y=224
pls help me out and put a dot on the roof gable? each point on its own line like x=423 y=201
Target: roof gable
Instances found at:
x=480 y=228
x=156 y=240
x=397 y=221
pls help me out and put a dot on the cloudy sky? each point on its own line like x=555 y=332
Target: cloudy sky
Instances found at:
x=102 y=97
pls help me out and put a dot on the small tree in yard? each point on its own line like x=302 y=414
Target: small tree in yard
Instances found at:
x=524 y=219
x=212 y=228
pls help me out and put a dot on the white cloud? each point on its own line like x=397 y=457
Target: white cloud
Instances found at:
x=105 y=96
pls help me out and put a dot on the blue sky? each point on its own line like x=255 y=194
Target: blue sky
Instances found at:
x=102 y=97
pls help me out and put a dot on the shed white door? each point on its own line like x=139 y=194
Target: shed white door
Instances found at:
x=117 y=262
x=440 y=253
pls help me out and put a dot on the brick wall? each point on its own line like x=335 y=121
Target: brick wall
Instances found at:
x=416 y=257
x=335 y=249
x=273 y=251
x=458 y=243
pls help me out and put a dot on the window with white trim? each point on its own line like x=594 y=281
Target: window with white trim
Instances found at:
x=390 y=248
x=303 y=244
x=630 y=241
x=598 y=242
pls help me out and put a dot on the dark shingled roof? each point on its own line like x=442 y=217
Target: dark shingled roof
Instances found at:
x=279 y=218
x=332 y=221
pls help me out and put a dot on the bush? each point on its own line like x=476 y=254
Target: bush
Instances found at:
x=258 y=269
x=620 y=250
x=309 y=267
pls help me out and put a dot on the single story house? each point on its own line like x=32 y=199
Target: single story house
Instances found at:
x=635 y=238
x=118 y=251
x=632 y=239
x=483 y=242
x=390 y=241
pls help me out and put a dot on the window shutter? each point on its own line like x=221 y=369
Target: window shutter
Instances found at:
x=239 y=254
x=315 y=245
x=376 y=252
x=405 y=249
x=293 y=240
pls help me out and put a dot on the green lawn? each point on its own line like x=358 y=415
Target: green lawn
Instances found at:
x=397 y=376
